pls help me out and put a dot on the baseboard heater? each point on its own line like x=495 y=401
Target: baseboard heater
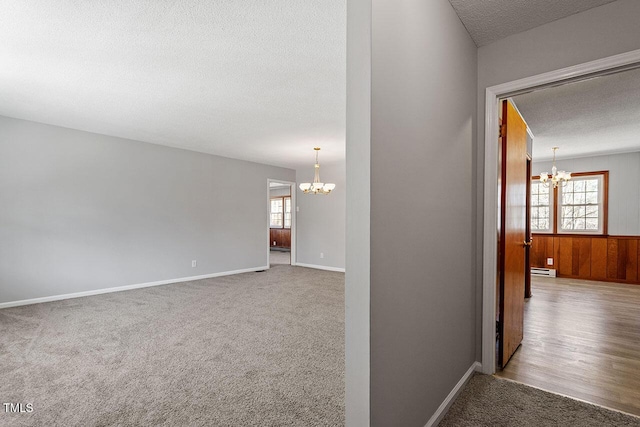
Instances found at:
x=548 y=272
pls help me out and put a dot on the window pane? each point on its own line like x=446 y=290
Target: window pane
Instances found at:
x=592 y=211
x=567 y=197
x=276 y=213
x=591 y=197
x=592 y=185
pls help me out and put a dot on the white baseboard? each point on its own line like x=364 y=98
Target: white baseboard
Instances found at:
x=126 y=287
x=448 y=401
x=319 y=267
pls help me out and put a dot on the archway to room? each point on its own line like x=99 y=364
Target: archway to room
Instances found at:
x=281 y=223
x=580 y=329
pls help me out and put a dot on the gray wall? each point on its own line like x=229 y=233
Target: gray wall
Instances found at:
x=596 y=33
x=81 y=211
x=321 y=219
x=358 y=155
x=624 y=186
x=422 y=134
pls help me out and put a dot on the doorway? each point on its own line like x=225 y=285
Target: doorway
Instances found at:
x=491 y=214
x=281 y=223
x=572 y=259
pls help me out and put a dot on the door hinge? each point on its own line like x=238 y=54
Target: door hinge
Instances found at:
x=502 y=131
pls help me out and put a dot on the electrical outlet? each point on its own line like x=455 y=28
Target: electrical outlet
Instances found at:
x=274 y=243
x=194 y=263
x=549 y=261
x=297 y=208
x=321 y=254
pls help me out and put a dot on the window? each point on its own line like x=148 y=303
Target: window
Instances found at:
x=580 y=206
x=541 y=208
x=280 y=213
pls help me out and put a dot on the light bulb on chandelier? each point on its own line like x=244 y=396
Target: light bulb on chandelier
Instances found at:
x=557 y=177
x=316 y=187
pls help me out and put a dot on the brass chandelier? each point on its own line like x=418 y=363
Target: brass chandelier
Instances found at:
x=557 y=177
x=316 y=187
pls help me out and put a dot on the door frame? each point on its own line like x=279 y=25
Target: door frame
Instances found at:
x=489 y=249
x=294 y=210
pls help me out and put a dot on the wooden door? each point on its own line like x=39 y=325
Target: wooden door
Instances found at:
x=527 y=254
x=512 y=231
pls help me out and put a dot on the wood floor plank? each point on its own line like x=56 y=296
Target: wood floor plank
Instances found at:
x=582 y=339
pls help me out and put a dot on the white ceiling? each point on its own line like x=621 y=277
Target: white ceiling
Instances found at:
x=490 y=20
x=252 y=79
x=591 y=117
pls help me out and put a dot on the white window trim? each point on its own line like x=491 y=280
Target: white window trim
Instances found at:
x=600 y=230
x=552 y=214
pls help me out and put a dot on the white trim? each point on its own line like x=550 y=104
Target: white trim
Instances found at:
x=490 y=259
x=320 y=267
x=293 y=191
x=126 y=287
x=448 y=401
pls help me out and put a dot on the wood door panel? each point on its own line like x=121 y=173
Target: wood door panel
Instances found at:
x=512 y=231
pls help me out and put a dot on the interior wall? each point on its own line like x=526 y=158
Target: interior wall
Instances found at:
x=83 y=212
x=422 y=135
x=321 y=219
x=624 y=188
x=358 y=248
x=593 y=34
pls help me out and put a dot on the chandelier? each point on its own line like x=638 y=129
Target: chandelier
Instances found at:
x=316 y=187
x=556 y=178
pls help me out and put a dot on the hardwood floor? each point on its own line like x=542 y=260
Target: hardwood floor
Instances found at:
x=582 y=339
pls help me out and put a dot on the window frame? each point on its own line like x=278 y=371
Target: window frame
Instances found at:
x=552 y=211
x=557 y=206
x=283 y=213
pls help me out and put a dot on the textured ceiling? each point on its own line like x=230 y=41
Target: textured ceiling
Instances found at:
x=596 y=116
x=490 y=20
x=252 y=79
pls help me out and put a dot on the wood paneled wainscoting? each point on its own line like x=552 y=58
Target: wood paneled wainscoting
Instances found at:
x=280 y=238
x=589 y=257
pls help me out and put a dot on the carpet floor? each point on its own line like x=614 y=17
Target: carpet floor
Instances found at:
x=253 y=349
x=491 y=401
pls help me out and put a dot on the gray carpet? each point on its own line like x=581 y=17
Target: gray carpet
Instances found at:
x=253 y=349
x=491 y=401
